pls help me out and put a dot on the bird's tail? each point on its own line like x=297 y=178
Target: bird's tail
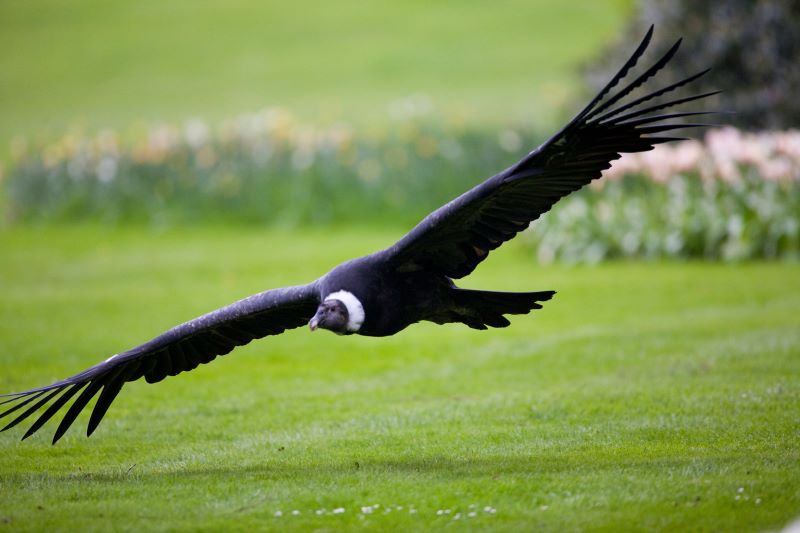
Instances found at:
x=482 y=309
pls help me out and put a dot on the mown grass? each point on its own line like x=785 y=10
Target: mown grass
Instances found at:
x=644 y=396
x=99 y=64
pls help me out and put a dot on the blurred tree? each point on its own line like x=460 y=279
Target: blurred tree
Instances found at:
x=753 y=47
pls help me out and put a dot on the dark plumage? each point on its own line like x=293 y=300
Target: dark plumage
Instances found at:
x=385 y=292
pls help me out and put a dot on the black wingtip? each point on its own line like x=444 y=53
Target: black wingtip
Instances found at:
x=53 y=409
x=12 y=397
x=109 y=393
x=649 y=33
x=619 y=76
x=614 y=117
x=636 y=83
x=23 y=403
x=609 y=115
x=76 y=407
x=35 y=407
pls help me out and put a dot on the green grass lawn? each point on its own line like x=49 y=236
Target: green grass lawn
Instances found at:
x=98 y=63
x=644 y=396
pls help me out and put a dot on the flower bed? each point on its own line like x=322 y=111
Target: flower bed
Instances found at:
x=732 y=196
x=729 y=196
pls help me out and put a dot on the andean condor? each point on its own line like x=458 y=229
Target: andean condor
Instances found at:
x=383 y=293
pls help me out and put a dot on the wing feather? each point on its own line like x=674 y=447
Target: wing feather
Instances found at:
x=110 y=390
x=180 y=349
x=455 y=238
x=53 y=409
x=76 y=407
x=31 y=410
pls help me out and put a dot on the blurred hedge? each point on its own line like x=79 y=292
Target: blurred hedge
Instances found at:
x=732 y=196
x=263 y=167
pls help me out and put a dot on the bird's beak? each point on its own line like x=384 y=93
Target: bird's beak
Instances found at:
x=312 y=325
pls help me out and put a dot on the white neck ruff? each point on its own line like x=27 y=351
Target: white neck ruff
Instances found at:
x=355 y=311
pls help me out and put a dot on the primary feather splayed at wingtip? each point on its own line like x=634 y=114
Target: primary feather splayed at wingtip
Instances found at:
x=621 y=74
x=457 y=237
x=180 y=349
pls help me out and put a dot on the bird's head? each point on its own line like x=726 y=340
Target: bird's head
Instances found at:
x=331 y=315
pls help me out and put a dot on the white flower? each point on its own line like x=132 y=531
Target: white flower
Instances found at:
x=106 y=169
x=196 y=133
x=509 y=140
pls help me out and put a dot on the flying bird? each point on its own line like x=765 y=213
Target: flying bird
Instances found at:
x=411 y=281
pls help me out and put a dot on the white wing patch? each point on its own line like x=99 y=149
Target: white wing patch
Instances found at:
x=355 y=311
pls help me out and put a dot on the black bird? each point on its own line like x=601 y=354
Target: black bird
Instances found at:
x=383 y=293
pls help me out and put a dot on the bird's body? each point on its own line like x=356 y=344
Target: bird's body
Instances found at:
x=383 y=293
x=393 y=298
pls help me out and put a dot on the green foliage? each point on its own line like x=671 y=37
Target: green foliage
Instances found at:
x=660 y=396
x=752 y=47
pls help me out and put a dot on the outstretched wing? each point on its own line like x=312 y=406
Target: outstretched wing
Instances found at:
x=455 y=238
x=180 y=349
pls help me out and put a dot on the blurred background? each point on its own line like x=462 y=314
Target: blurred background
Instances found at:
x=162 y=158
x=167 y=114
